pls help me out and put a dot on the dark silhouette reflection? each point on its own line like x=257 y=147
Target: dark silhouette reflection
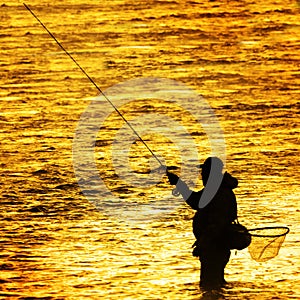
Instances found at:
x=211 y=222
x=212 y=294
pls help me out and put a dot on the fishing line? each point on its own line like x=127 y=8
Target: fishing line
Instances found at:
x=93 y=82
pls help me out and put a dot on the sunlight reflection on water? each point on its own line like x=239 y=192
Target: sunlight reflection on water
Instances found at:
x=242 y=57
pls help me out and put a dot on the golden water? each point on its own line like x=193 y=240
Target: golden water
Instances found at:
x=243 y=58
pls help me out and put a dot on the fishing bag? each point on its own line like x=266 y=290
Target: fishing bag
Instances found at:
x=238 y=236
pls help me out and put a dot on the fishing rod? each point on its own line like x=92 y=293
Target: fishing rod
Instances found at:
x=94 y=83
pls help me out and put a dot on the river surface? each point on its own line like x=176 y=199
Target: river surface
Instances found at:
x=85 y=211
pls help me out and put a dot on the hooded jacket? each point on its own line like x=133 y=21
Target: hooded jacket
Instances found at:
x=211 y=222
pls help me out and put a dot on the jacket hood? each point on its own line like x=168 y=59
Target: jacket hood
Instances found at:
x=229 y=181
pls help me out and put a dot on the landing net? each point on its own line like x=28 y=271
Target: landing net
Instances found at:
x=266 y=242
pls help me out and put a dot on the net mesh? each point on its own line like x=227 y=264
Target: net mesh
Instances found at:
x=266 y=242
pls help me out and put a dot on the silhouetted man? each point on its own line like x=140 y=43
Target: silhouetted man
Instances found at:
x=211 y=222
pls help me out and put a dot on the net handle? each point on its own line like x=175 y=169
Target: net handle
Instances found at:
x=287 y=230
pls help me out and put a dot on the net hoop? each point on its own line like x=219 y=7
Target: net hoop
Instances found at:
x=269 y=235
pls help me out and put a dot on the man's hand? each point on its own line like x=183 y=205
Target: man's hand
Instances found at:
x=172 y=178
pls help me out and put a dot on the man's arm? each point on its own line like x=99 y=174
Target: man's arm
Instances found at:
x=192 y=198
